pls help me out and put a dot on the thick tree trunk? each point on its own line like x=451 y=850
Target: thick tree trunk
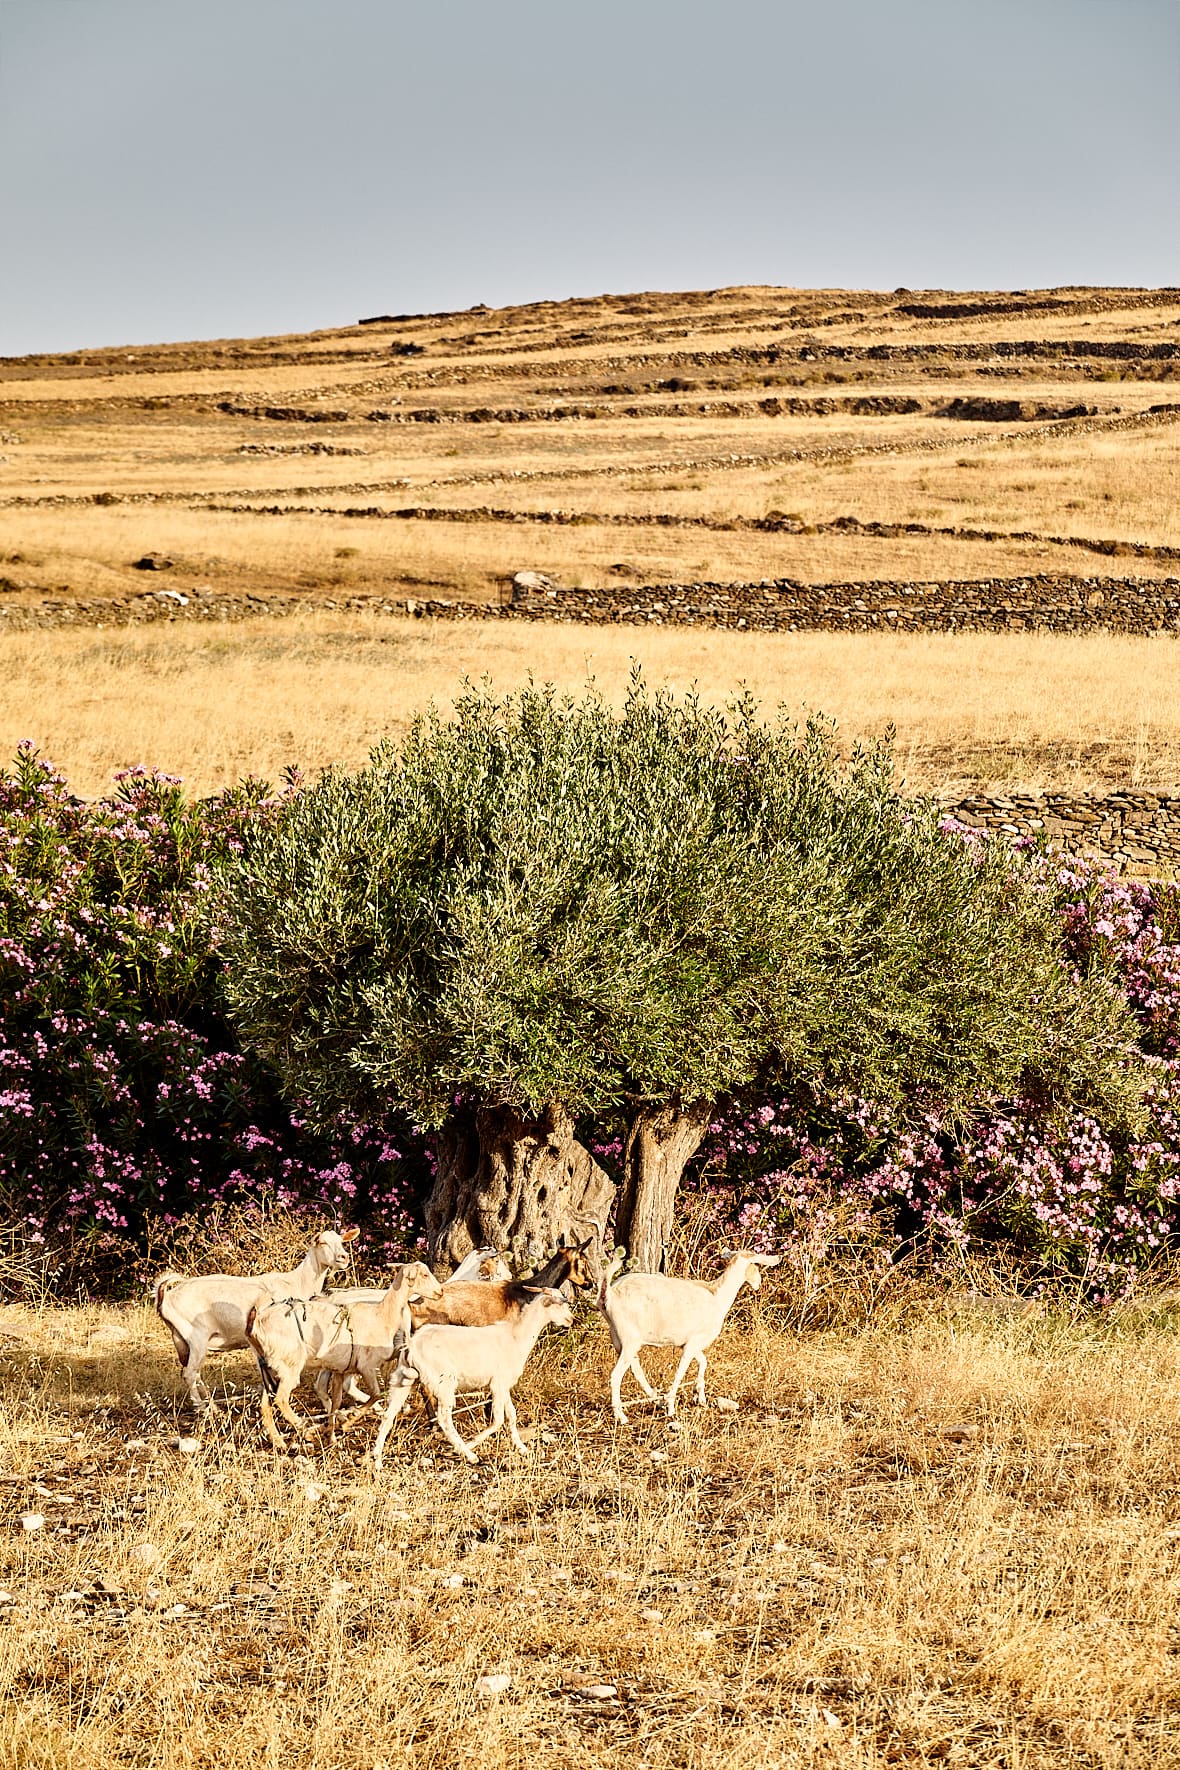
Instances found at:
x=517 y=1184
x=457 y=1151
x=659 y=1143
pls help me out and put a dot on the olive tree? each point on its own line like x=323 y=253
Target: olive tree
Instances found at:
x=540 y=911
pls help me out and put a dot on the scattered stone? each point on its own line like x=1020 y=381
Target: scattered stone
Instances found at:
x=726 y=1405
x=654 y=1617
x=33 y=1521
x=493 y=1683
x=831 y=1720
x=147 y=1554
x=154 y=562
x=186 y=1446
x=658 y=1456
x=963 y=1434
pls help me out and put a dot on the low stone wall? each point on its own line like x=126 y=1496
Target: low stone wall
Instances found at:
x=991 y=605
x=1140 y=832
x=987 y=605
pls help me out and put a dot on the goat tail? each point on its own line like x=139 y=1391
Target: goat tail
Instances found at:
x=610 y=1272
x=270 y=1381
x=160 y=1289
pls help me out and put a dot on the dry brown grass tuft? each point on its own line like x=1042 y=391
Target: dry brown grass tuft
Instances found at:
x=945 y=1538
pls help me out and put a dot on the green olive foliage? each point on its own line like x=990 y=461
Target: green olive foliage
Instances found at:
x=541 y=900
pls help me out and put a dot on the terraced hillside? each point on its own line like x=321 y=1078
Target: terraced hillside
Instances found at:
x=721 y=437
x=952 y=515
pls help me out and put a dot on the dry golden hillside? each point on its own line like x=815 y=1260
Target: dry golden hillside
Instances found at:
x=661 y=424
x=647 y=439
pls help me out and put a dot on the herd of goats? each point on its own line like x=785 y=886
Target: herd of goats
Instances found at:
x=473 y=1333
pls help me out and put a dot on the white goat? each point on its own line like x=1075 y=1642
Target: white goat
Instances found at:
x=648 y=1309
x=446 y=1359
x=482 y=1266
x=206 y=1315
x=342 y=1339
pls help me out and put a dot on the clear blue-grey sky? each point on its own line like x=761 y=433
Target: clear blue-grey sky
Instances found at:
x=210 y=168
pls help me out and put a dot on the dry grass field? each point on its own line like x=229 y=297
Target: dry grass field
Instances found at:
x=623 y=439
x=948 y=1537
x=212 y=703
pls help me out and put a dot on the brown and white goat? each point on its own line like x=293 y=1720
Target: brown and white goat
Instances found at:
x=480 y=1304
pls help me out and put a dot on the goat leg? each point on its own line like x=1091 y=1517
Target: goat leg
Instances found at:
x=446 y=1425
x=272 y=1431
x=400 y=1389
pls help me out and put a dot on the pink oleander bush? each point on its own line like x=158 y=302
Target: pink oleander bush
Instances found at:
x=816 y=1174
x=130 y=1109
x=127 y=1102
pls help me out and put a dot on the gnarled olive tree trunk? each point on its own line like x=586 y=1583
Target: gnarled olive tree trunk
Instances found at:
x=661 y=1139
x=515 y=1183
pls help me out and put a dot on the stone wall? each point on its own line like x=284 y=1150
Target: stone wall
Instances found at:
x=988 y=605
x=1139 y=831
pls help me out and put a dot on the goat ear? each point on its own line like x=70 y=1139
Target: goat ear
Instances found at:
x=349 y=1234
x=584 y=1246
